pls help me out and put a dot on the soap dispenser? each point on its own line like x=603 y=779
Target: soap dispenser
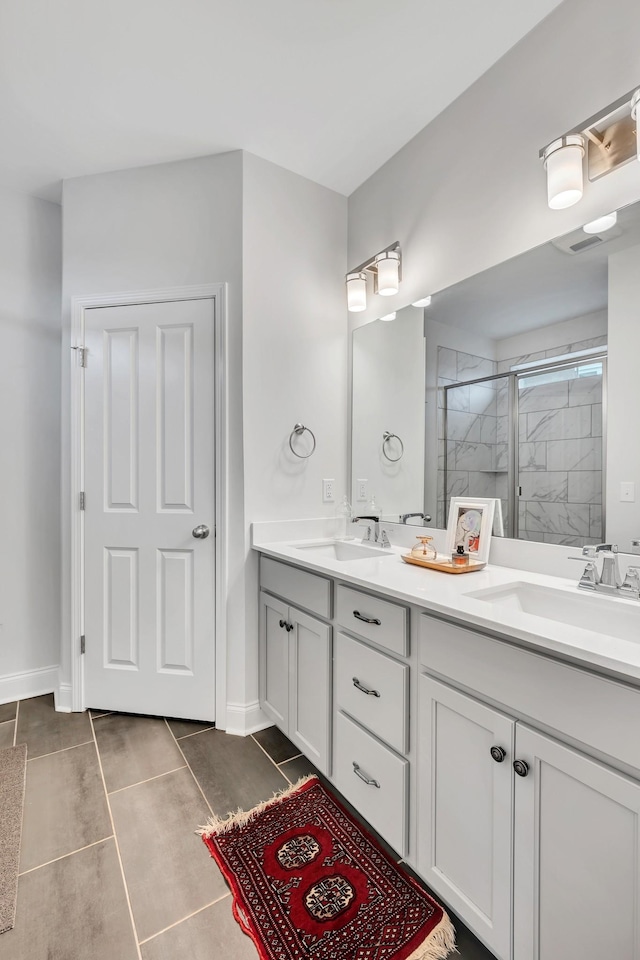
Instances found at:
x=344 y=514
x=373 y=509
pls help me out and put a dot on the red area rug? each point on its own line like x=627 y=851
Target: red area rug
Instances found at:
x=309 y=882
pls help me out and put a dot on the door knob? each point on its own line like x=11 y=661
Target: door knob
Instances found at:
x=201 y=532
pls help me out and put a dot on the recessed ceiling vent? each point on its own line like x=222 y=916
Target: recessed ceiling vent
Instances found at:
x=577 y=242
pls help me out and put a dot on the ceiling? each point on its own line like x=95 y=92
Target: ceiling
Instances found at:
x=327 y=88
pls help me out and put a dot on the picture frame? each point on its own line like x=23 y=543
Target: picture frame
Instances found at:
x=498 y=522
x=471 y=524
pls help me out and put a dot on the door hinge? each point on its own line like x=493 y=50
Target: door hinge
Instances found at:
x=83 y=500
x=82 y=355
x=82 y=643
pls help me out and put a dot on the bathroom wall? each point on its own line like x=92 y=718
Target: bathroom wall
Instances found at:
x=167 y=225
x=294 y=366
x=469 y=190
x=29 y=445
x=388 y=395
x=279 y=242
x=623 y=396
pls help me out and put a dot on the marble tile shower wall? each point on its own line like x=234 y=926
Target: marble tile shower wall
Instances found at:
x=476 y=437
x=560 y=447
x=560 y=454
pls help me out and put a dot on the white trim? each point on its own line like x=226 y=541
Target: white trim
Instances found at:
x=63 y=697
x=79 y=305
x=246 y=718
x=31 y=683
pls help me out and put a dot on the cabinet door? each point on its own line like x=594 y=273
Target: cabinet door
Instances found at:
x=310 y=688
x=274 y=660
x=577 y=856
x=465 y=810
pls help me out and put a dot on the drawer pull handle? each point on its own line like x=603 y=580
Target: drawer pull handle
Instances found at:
x=359 y=616
x=369 y=693
x=370 y=783
x=521 y=767
x=498 y=754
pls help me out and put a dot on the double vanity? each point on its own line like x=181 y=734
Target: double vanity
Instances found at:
x=486 y=725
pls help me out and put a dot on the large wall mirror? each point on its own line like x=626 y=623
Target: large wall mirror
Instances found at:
x=497 y=390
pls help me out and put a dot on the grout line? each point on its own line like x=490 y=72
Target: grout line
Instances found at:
x=115 y=840
x=15 y=732
x=148 y=780
x=270 y=758
x=195 y=733
x=188 y=917
x=65 y=855
x=190 y=770
x=289 y=759
x=63 y=750
x=99 y=716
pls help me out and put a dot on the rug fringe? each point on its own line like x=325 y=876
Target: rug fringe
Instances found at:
x=439 y=944
x=217 y=825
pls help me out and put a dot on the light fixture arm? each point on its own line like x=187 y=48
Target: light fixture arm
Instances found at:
x=370 y=264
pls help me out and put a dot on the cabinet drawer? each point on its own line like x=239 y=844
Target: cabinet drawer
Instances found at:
x=306 y=590
x=385 y=714
x=374 y=619
x=384 y=805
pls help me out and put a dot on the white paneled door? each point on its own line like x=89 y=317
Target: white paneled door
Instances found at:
x=149 y=485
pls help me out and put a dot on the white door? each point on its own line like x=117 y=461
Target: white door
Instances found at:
x=466 y=796
x=149 y=484
x=577 y=856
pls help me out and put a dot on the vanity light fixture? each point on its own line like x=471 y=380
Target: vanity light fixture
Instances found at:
x=563 y=163
x=602 y=223
x=608 y=139
x=356 y=292
x=389 y=316
x=423 y=302
x=386 y=267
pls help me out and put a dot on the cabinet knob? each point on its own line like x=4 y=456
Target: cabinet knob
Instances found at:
x=283 y=623
x=498 y=754
x=521 y=767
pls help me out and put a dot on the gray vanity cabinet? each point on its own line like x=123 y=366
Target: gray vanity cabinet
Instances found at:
x=577 y=855
x=533 y=843
x=296 y=658
x=466 y=798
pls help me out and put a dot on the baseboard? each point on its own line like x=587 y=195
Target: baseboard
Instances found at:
x=246 y=718
x=62 y=697
x=32 y=683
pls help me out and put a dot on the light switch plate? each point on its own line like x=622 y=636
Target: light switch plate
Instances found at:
x=627 y=491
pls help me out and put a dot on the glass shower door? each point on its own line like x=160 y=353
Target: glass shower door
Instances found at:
x=560 y=453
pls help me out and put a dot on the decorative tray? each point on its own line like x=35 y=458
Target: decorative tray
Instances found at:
x=444 y=565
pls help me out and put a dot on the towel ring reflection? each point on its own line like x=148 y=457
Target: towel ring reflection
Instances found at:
x=297 y=431
x=386 y=436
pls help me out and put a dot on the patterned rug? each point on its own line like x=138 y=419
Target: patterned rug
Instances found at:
x=309 y=882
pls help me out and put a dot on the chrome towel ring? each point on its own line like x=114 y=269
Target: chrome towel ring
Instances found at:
x=386 y=436
x=297 y=431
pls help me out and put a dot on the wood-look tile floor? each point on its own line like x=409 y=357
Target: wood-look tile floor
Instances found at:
x=111 y=866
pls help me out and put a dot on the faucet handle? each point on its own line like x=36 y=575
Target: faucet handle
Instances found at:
x=605 y=548
x=631 y=583
x=588 y=551
x=589 y=579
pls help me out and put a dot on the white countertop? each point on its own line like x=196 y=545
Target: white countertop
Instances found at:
x=446 y=594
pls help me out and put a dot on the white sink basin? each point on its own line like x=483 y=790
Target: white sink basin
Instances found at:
x=339 y=550
x=610 y=616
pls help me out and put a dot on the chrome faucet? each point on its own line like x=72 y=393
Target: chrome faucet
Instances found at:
x=406 y=516
x=609 y=579
x=379 y=536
